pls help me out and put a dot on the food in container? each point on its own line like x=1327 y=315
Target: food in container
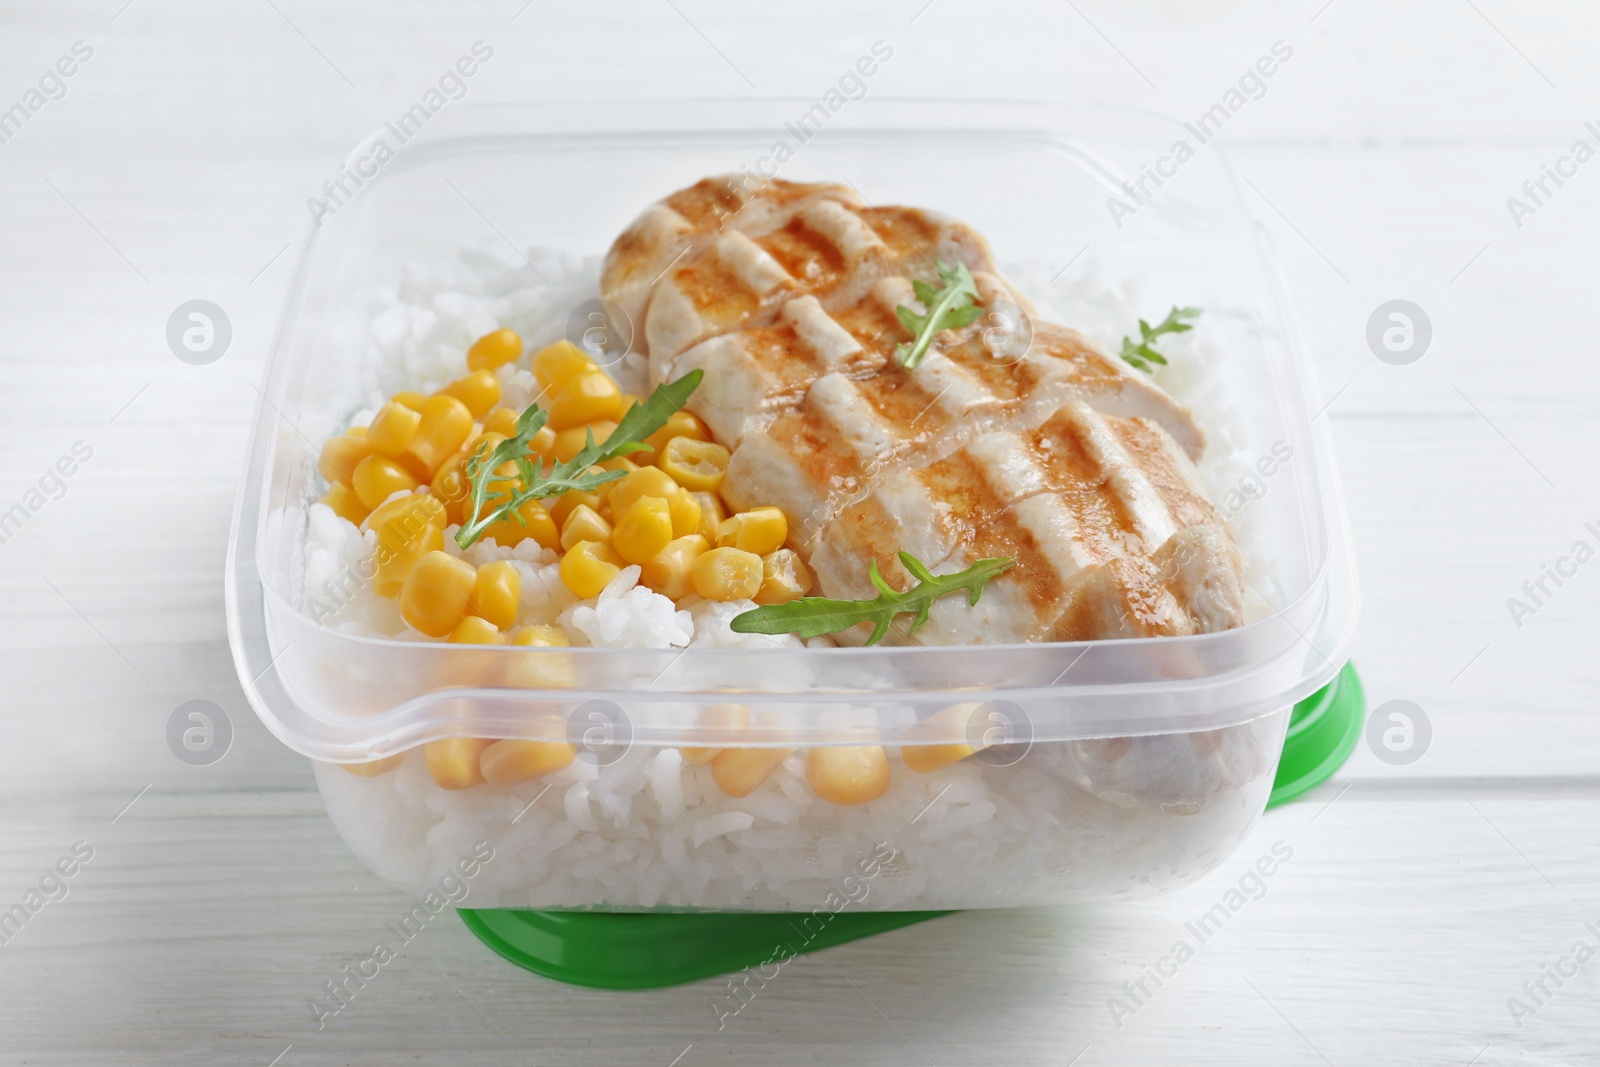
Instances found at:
x=623 y=685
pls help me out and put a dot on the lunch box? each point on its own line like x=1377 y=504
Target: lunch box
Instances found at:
x=1098 y=770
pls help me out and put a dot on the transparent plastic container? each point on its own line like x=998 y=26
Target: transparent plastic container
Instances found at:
x=1127 y=766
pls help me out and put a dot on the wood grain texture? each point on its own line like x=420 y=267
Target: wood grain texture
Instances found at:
x=1418 y=899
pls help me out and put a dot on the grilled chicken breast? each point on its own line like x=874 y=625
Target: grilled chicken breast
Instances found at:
x=1046 y=450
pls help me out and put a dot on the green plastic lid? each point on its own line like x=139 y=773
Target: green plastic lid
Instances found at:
x=646 y=950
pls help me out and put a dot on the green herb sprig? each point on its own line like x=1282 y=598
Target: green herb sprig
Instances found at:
x=490 y=506
x=950 y=307
x=812 y=616
x=1143 y=354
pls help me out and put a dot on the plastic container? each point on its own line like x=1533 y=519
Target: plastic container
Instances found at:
x=1131 y=766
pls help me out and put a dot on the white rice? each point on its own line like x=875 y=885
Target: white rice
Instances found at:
x=649 y=830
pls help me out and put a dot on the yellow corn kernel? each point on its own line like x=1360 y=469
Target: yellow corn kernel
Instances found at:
x=536 y=523
x=568 y=501
x=784 y=577
x=453 y=762
x=555 y=365
x=678 y=424
x=480 y=391
x=496 y=593
x=427 y=507
x=643 y=531
x=474 y=630
x=340 y=456
x=403 y=540
x=669 y=572
x=617 y=463
x=446 y=424
x=345 y=504
x=727 y=574
x=502 y=421
x=759 y=530
x=512 y=761
x=850 y=774
x=377 y=478
x=584 y=524
x=738 y=772
x=587 y=397
x=540 y=670
x=373 y=768
x=695 y=465
x=451 y=487
x=392 y=429
x=588 y=567
x=646 y=481
x=685 y=510
x=410 y=399
x=952 y=723
x=721 y=716
x=493 y=349
x=712 y=512
x=436 y=593
x=574 y=439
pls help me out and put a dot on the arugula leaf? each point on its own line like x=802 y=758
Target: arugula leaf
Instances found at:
x=639 y=422
x=812 y=616
x=1143 y=354
x=950 y=307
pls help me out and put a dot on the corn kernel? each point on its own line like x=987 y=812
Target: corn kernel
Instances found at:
x=759 y=530
x=377 y=478
x=425 y=506
x=568 y=501
x=496 y=593
x=669 y=572
x=512 y=761
x=502 y=421
x=643 y=531
x=679 y=424
x=436 y=593
x=574 y=439
x=738 y=772
x=587 y=397
x=720 y=716
x=480 y=391
x=617 y=463
x=588 y=567
x=345 y=504
x=474 y=630
x=685 y=511
x=850 y=774
x=695 y=465
x=555 y=365
x=453 y=762
x=410 y=399
x=446 y=424
x=375 y=767
x=584 y=524
x=392 y=428
x=951 y=722
x=712 y=512
x=493 y=349
x=646 y=481
x=536 y=523
x=451 y=487
x=727 y=574
x=784 y=577
x=340 y=455
x=403 y=540
x=540 y=670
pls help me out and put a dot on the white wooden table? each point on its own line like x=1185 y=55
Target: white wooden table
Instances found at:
x=1419 y=899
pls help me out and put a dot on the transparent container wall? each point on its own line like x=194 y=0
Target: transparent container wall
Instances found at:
x=1114 y=818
